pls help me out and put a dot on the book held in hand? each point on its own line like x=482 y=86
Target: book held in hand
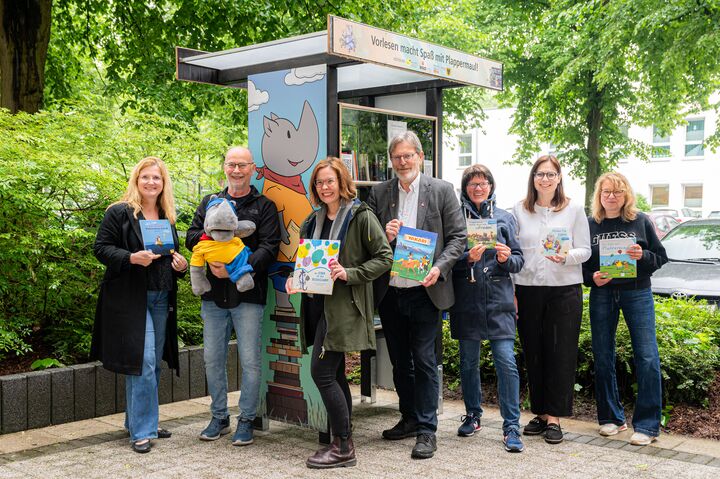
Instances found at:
x=614 y=259
x=312 y=265
x=482 y=231
x=555 y=241
x=157 y=236
x=414 y=253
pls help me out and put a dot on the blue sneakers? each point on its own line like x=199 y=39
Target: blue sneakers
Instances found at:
x=471 y=423
x=215 y=429
x=244 y=433
x=513 y=442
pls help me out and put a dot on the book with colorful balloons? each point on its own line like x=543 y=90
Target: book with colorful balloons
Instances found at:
x=312 y=265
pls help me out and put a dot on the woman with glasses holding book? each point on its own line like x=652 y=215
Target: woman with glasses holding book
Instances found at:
x=135 y=320
x=484 y=306
x=625 y=253
x=343 y=321
x=555 y=240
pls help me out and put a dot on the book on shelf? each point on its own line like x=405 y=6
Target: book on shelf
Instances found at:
x=615 y=261
x=414 y=252
x=312 y=265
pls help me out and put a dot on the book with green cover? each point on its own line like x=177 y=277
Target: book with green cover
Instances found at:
x=482 y=231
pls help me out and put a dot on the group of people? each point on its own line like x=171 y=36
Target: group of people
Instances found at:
x=489 y=291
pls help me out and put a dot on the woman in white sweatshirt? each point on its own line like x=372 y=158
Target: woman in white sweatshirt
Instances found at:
x=555 y=240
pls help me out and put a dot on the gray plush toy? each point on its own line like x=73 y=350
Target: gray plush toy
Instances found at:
x=221 y=242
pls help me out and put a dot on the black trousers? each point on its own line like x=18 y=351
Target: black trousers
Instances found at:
x=549 y=319
x=328 y=372
x=410 y=322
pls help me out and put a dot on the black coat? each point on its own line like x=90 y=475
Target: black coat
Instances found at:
x=485 y=309
x=119 y=332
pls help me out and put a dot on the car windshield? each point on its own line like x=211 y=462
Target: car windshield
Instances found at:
x=693 y=242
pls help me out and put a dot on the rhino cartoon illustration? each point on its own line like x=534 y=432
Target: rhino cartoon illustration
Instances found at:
x=288 y=152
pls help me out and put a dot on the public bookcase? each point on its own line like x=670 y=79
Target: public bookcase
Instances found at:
x=340 y=92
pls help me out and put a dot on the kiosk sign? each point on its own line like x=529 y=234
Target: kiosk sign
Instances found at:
x=374 y=45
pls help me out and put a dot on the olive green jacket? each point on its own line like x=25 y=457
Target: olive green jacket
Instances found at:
x=365 y=254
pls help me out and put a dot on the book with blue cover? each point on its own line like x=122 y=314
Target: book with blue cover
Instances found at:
x=157 y=236
x=414 y=252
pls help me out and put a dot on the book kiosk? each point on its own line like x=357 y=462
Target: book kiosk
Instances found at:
x=342 y=92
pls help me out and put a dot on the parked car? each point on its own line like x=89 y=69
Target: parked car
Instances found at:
x=683 y=214
x=714 y=214
x=693 y=248
x=663 y=223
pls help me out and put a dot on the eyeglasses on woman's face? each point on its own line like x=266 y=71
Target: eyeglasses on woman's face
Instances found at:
x=482 y=185
x=550 y=175
x=615 y=193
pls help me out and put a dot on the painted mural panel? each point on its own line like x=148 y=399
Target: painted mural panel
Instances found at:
x=287 y=118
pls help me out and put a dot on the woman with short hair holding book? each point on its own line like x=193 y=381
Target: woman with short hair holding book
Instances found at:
x=135 y=320
x=555 y=240
x=625 y=253
x=484 y=306
x=343 y=321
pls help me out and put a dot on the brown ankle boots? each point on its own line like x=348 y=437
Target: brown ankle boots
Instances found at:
x=340 y=453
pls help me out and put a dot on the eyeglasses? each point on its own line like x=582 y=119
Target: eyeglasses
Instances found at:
x=330 y=183
x=482 y=185
x=405 y=157
x=231 y=166
x=615 y=193
x=550 y=175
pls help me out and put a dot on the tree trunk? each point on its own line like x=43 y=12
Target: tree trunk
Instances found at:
x=593 y=169
x=24 y=39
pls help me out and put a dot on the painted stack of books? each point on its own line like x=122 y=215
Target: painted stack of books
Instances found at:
x=285 y=398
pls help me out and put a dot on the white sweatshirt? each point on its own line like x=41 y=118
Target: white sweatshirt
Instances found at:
x=538 y=269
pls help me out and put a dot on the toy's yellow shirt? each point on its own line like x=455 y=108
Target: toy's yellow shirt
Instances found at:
x=210 y=250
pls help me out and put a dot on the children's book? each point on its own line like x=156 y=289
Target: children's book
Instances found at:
x=482 y=231
x=614 y=258
x=555 y=241
x=414 y=253
x=312 y=265
x=157 y=236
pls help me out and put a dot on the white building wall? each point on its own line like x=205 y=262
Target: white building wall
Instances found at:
x=494 y=147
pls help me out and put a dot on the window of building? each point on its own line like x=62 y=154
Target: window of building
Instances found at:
x=659 y=195
x=661 y=144
x=624 y=130
x=693 y=196
x=466 y=152
x=694 y=137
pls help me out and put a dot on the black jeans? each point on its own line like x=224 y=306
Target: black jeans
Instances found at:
x=328 y=373
x=410 y=322
x=549 y=320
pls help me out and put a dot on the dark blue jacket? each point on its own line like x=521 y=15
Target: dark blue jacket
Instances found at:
x=485 y=309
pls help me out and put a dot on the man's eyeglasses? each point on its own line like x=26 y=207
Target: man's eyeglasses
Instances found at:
x=232 y=166
x=550 y=175
x=405 y=157
x=482 y=185
x=330 y=182
x=615 y=193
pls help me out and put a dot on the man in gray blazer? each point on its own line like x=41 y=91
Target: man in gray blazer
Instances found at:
x=410 y=310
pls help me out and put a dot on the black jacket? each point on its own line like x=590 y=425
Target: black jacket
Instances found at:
x=119 y=331
x=264 y=244
x=485 y=309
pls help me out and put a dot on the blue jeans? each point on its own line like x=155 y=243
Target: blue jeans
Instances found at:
x=141 y=392
x=638 y=310
x=508 y=379
x=246 y=318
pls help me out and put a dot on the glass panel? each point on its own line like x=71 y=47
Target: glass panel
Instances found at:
x=693 y=196
x=693 y=241
x=660 y=195
x=465 y=142
x=695 y=130
x=694 y=150
x=661 y=151
x=659 y=139
x=465 y=160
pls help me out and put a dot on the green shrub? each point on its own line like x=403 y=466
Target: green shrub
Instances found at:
x=688 y=335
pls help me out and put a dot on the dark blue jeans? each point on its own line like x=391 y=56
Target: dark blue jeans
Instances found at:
x=410 y=322
x=638 y=309
x=508 y=379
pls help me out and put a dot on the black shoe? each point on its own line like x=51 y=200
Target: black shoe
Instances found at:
x=425 y=446
x=401 y=430
x=535 y=427
x=141 y=448
x=163 y=434
x=553 y=434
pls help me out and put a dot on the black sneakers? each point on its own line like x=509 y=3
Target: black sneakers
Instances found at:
x=401 y=430
x=425 y=446
x=553 y=434
x=535 y=427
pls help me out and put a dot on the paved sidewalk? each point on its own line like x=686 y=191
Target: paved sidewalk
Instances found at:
x=99 y=448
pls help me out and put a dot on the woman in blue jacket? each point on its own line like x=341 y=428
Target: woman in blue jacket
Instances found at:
x=485 y=309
